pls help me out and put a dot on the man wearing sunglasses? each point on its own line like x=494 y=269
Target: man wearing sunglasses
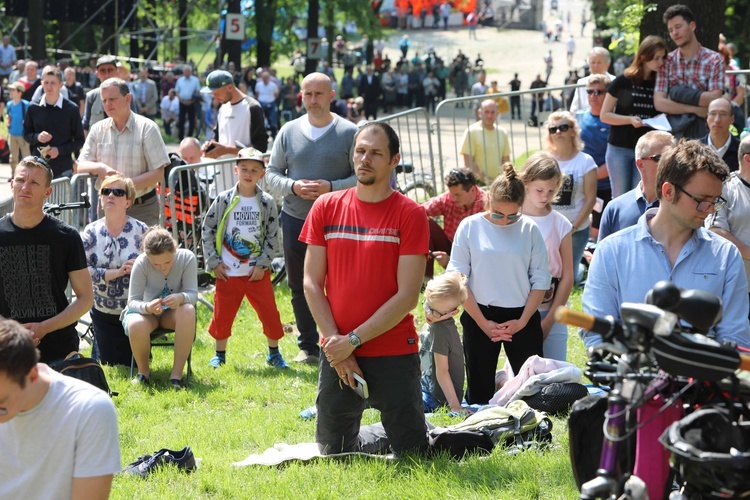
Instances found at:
x=594 y=135
x=463 y=198
x=670 y=243
x=625 y=210
x=39 y=256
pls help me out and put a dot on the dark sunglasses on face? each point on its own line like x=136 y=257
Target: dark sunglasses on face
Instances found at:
x=562 y=128
x=654 y=158
x=501 y=216
x=115 y=191
x=594 y=92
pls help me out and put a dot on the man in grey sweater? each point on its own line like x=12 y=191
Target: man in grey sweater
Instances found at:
x=311 y=156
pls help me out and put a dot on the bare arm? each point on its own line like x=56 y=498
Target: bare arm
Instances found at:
x=609 y=116
x=91 y=488
x=80 y=281
x=564 y=286
x=149 y=178
x=742 y=247
x=589 y=193
x=409 y=278
x=316 y=267
x=96 y=168
x=442 y=373
x=708 y=96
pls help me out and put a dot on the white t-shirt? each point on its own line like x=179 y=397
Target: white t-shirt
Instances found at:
x=570 y=198
x=71 y=433
x=502 y=263
x=241 y=242
x=315 y=133
x=734 y=218
x=234 y=125
x=266 y=93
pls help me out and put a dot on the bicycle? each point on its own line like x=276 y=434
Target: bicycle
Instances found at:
x=55 y=209
x=654 y=354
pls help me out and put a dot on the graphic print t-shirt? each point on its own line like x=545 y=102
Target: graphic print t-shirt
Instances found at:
x=242 y=235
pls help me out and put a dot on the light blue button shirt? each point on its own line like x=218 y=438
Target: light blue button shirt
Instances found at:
x=628 y=263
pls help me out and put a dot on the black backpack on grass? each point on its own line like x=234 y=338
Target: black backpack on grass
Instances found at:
x=86 y=369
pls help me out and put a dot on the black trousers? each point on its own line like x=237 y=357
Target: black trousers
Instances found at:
x=188 y=110
x=481 y=353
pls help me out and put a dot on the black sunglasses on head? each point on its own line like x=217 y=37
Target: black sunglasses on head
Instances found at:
x=36 y=159
x=459 y=175
x=115 y=191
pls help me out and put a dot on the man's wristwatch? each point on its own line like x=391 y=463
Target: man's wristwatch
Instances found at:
x=354 y=341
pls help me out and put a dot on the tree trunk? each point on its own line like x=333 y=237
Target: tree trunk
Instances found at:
x=313 y=12
x=36 y=30
x=709 y=21
x=330 y=15
x=181 y=10
x=265 y=19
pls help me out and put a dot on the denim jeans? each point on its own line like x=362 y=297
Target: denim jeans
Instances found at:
x=580 y=238
x=623 y=175
x=556 y=344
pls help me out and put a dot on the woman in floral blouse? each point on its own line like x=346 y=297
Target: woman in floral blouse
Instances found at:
x=111 y=245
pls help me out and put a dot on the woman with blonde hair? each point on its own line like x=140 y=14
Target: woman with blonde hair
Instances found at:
x=577 y=195
x=112 y=244
x=542 y=178
x=629 y=100
x=163 y=294
x=502 y=254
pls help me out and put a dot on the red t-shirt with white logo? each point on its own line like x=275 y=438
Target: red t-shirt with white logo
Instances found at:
x=363 y=244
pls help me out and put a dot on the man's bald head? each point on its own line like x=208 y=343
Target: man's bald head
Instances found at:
x=190 y=150
x=317 y=78
x=721 y=104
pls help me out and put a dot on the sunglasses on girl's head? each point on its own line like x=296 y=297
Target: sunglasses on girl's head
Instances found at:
x=501 y=216
x=562 y=128
x=115 y=191
x=594 y=92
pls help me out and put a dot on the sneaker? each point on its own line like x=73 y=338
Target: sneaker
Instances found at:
x=305 y=357
x=143 y=466
x=277 y=361
x=217 y=361
x=141 y=380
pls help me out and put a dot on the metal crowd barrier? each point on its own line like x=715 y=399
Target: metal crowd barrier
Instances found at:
x=6 y=206
x=454 y=116
x=415 y=134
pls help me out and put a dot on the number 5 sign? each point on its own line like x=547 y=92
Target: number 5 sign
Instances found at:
x=314 y=49
x=235 y=27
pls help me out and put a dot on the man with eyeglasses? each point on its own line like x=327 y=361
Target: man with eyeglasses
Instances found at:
x=670 y=243
x=39 y=256
x=463 y=198
x=625 y=210
x=733 y=222
x=720 y=117
x=58 y=435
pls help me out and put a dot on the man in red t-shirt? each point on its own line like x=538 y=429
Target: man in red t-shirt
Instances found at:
x=366 y=253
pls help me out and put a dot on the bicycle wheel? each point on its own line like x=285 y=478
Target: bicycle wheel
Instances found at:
x=419 y=191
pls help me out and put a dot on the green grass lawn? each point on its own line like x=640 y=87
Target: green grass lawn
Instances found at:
x=246 y=407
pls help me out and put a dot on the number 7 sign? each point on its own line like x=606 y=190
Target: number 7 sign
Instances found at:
x=314 y=49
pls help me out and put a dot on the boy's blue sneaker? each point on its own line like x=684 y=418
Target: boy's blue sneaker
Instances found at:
x=277 y=361
x=217 y=361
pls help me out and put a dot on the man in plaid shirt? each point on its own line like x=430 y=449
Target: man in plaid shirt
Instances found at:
x=463 y=198
x=691 y=78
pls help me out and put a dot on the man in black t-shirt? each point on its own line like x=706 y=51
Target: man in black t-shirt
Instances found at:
x=39 y=255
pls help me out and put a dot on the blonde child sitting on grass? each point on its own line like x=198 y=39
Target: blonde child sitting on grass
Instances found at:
x=440 y=350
